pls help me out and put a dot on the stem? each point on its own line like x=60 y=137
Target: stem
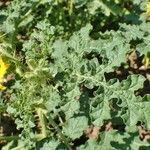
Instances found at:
x=38 y=137
x=42 y=122
x=9 y=138
x=7 y=54
x=29 y=12
x=18 y=147
x=70 y=7
x=3 y=108
x=3 y=35
x=60 y=133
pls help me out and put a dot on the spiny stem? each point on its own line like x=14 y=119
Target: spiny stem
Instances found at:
x=60 y=133
x=42 y=123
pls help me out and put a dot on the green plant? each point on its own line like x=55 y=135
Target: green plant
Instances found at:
x=67 y=84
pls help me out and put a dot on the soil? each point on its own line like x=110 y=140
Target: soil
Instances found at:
x=7 y=127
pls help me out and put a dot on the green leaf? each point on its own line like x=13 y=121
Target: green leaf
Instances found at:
x=74 y=127
x=132 y=32
x=107 y=7
x=90 y=145
x=49 y=144
x=125 y=93
x=71 y=108
x=113 y=140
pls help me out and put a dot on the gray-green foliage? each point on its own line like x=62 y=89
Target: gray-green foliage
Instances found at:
x=73 y=76
x=61 y=87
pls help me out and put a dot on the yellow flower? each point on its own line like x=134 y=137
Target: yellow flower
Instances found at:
x=3 y=69
x=147 y=9
x=146 y=60
x=2 y=87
